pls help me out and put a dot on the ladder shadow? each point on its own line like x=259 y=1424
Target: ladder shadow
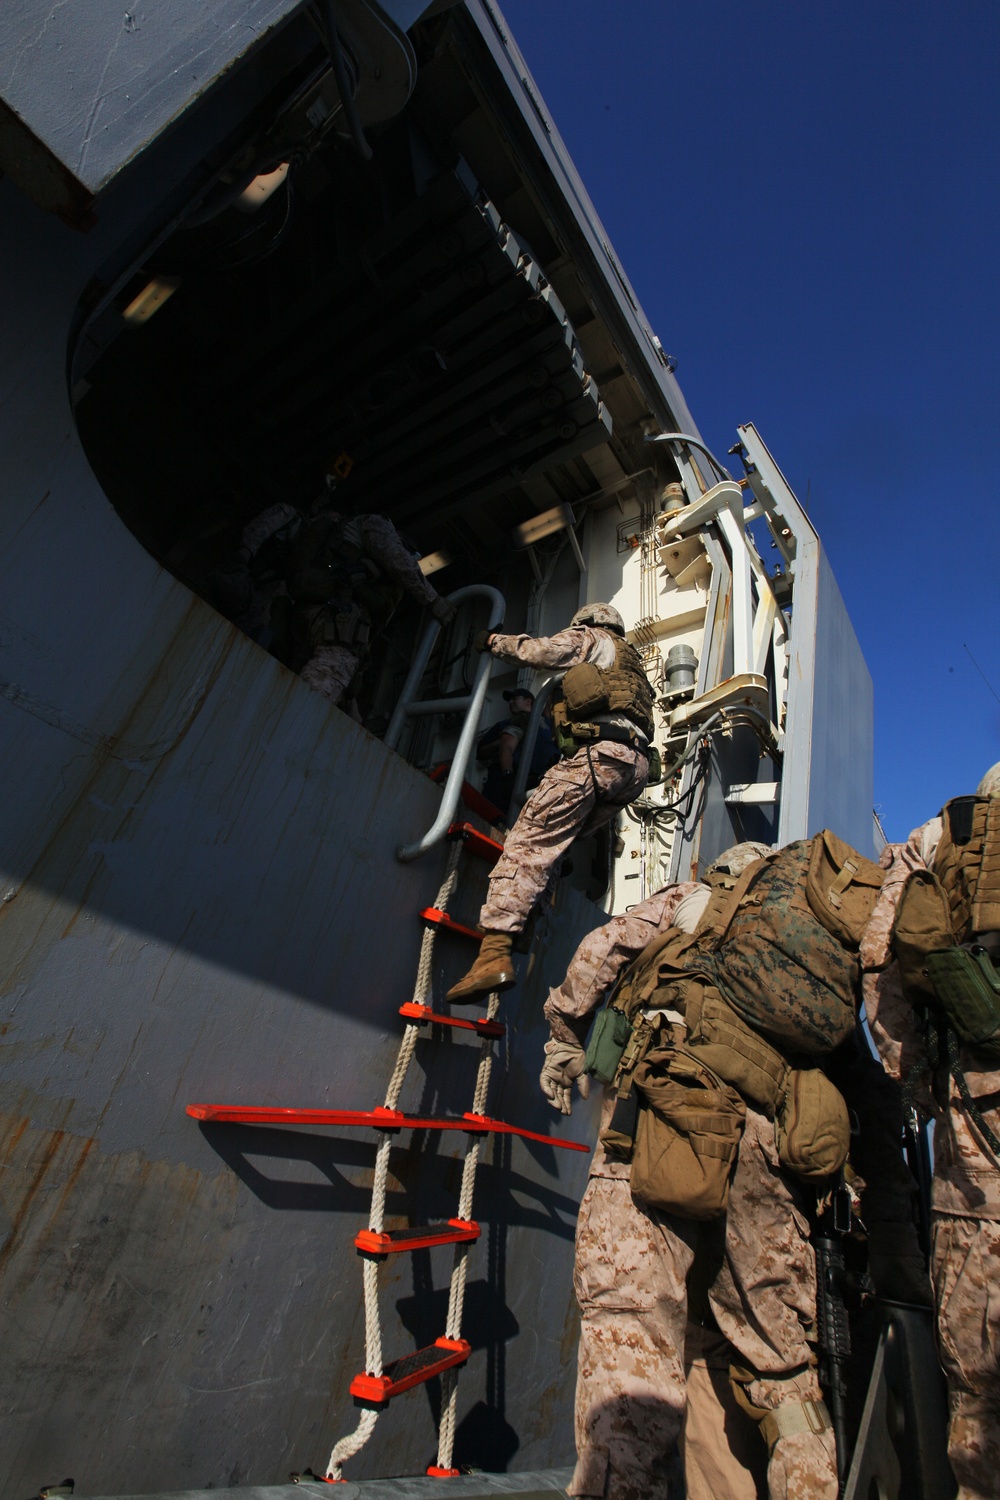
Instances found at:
x=332 y=1174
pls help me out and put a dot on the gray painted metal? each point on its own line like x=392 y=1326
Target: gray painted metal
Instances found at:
x=66 y=133
x=135 y=68
x=535 y=1485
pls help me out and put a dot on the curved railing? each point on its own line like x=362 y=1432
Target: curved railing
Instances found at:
x=409 y=706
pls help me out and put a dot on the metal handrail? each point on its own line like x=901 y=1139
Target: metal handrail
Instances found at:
x=519 y=793
x=410 y=706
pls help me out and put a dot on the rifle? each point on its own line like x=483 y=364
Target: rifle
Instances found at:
x=834 y=1329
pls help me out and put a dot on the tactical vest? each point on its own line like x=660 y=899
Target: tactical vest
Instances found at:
x=590 y=692
x=945 y=916
x=967 y=864
x=342 y=597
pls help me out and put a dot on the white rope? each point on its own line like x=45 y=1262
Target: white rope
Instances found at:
x=422 y=987
x=460 y=1266
x=449 y=1409
x=399 y=1072
x=352 y=1444
x=373 y=1326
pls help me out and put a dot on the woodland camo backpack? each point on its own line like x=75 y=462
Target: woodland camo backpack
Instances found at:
x=780 y=947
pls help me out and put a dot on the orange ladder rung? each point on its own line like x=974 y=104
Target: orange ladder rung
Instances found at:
x=419 y=1237
x=477 y=843
x=448 y=924
x=379 y=1119
x=413 y=1369
x=413 y=1011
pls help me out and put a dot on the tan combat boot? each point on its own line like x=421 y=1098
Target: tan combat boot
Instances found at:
x=492 y=970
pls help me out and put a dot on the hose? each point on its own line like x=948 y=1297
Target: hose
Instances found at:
x=340 y=74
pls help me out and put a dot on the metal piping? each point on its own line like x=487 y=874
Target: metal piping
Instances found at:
x=472 y=703
x=340 y=74
x=519 y=792
x=693 y=442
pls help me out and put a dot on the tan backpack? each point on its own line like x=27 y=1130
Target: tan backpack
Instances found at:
x=772 y=961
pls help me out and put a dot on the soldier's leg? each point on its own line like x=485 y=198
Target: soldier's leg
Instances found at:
x=630 y=1283
x=965 y=1266
x=721 y=1447
x=581 y=791
x=764 y=1300
x=330 y=670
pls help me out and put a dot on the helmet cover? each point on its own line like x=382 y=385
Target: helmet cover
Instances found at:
x=604 y=615
x=735 y=860
x=990 y=784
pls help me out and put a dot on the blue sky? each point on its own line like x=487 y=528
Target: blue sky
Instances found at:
x=805 y=197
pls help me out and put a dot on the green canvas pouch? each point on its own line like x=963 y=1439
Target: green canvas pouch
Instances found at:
x=968 y=987
x=608 y=1041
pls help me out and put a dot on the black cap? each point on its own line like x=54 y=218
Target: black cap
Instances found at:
x=509 y=693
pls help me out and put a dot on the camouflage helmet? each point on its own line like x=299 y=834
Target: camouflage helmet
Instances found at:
x=604 y=615
x=735 y=860
x=990 y=784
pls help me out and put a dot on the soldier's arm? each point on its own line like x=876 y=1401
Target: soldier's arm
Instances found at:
x=601 y=957
x=508 y=744
x=890 y=1015
x=256 y=532
x=567 y=648
x=382 y=543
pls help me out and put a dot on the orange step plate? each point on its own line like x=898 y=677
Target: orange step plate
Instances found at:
x=448 y=924
x=379 y=1119
x=477 y=843
x=413 y=1369
x=421 y=1237
x=416 y=1012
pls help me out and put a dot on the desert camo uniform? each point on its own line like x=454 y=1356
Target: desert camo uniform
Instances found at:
x=575 y=796
x=333 y=664
x=640 y=1358
x=965 y=1233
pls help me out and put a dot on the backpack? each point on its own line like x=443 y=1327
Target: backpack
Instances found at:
x=780 y=946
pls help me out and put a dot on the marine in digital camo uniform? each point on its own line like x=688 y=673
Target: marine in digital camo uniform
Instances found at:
x=682 y=1323
x=603 y=720
x=322 y=587
x=932 y=995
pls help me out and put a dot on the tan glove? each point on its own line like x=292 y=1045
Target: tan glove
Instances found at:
x=564 y=1064
x=443 y=610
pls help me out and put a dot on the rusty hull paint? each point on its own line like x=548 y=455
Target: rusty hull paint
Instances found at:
x=200 y=901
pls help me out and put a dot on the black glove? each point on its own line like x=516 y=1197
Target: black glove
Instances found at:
x=443 y=610
x=481 y=640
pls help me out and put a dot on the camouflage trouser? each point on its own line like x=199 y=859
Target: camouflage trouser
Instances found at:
x=575 y=796
x=329 y=670
x=965 y=1265
x=720 y=1446
x=631 y=1276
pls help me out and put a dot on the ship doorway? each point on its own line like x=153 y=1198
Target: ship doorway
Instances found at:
x=380 y=324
